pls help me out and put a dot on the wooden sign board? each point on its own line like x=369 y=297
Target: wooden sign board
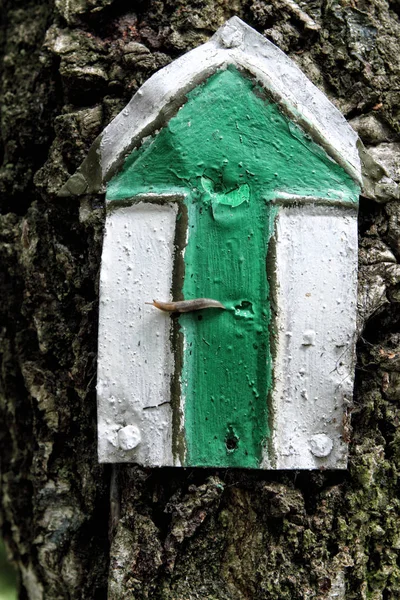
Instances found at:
x=229 y=177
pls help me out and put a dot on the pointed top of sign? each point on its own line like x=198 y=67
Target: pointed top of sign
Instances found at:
x=237 y=44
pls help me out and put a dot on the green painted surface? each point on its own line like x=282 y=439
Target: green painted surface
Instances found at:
x=227 y=363
x=234 y=137
x=231 y=151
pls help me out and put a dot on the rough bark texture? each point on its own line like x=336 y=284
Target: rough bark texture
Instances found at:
x=83 y=531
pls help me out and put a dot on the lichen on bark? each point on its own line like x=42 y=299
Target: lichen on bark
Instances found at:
x=68 y=67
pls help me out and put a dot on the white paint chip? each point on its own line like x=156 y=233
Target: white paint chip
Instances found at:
x=309 y=337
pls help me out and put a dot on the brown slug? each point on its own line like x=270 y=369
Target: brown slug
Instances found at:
x=185 y=306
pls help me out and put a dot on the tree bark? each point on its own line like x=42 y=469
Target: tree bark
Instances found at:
x=80 y=530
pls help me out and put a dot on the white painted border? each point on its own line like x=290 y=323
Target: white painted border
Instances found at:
x=158 y=99
x=316 y=271
x=135 y=362
x=313 y=357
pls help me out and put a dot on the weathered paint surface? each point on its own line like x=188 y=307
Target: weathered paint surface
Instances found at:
x=230 y=144
x=230 y=161
x=227 y=364
x=235 y=43
x=135 y=363
x=315 y=296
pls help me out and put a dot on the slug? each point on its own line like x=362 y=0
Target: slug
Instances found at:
x=187 y=305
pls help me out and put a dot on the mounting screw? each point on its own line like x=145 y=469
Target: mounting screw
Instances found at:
x=77 y=184
x=129 y=437
x=231 y=37
x=321 y=445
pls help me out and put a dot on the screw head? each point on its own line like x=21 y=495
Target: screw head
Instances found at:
x=231 y=37
x=321 y=445
x=129 y=437
x=77 y=184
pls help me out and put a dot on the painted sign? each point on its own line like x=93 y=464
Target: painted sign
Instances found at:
x=232 y=187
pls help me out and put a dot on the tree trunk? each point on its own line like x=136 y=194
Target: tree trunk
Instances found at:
x=80 y=530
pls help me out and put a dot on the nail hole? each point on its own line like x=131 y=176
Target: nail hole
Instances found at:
x=231 y=441
x=231 y=444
